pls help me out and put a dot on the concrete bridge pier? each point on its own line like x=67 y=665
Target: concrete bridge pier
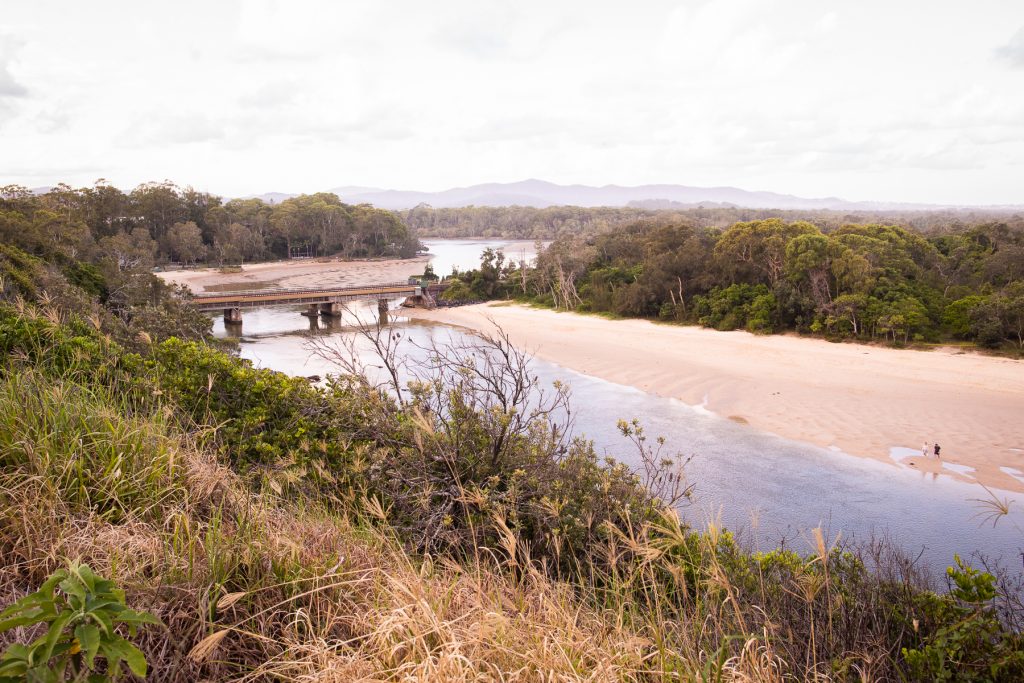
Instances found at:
x=382 y=311
x=232 y=315
x=312 y=311
x=324 y=323
x=332 y=309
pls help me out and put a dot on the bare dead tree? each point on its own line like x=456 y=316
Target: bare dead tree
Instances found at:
x=481 y=437
x=494 y=379
x=678 y=305
x=384 y=342
x=523 y=281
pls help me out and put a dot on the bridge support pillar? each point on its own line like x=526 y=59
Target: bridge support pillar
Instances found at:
x=332 y=309
x=382 y=311
x=232 y=315
x=312 y=311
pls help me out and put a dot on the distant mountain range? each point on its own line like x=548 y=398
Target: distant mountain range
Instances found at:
x=541 y=194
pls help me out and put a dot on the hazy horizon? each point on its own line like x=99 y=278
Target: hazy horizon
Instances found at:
x=922 y=102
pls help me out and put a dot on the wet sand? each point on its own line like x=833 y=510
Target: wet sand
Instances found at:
x=295 y=274
x=867 y=401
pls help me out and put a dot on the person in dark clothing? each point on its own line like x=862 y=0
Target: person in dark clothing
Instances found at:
x=937 y=449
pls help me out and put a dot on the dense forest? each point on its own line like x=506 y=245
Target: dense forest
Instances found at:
x=859 y=281
x=167 y=508
x=523 y=222
x=161 y=222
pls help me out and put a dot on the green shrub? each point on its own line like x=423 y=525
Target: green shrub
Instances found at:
x=737 y=306
x=81 y=612
x=968 y=643
x=69 y=347
x=262 y=417
x=87 y=277
x=458 y=291
x=19 y=273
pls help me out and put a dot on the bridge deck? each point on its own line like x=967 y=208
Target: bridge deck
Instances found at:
x=285 y=297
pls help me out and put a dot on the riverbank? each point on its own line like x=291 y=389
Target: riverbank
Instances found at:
x=866 y=401
x=296 y=274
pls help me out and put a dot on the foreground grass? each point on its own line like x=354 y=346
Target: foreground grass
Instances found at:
x=267 y=588
x=175 y=476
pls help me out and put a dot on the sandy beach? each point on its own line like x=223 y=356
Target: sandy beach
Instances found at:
x=293 y=274
x=863 y=400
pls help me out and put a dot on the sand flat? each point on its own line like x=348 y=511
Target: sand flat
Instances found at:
x=862 y=399
x=296 y=274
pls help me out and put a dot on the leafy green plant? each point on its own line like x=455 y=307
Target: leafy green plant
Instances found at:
x=970 y=644
x=81 y=611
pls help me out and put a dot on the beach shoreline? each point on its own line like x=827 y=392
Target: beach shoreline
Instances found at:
x=866 y=401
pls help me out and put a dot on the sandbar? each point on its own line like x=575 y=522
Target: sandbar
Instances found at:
x=862 y=399
x=297 y=274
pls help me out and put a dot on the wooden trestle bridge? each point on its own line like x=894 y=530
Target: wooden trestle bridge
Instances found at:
x=327 y=301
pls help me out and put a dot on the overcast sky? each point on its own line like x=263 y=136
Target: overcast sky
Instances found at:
x=892 y=100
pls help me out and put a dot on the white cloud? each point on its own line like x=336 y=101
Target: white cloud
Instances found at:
x=1013 y=51
x=899 y=101
x=9 y=86
x=174 y=129
x=11 y=90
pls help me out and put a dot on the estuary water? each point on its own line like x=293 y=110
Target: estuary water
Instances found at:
x=767 y=489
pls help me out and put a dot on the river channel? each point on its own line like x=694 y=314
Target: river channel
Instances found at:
x=767 y=489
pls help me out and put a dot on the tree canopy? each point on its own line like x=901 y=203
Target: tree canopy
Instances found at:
x=868 y=281
x=162 y=222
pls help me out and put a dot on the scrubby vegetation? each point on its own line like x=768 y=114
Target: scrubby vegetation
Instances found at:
x=868 y=282
x=436 y=539
x=451 y=529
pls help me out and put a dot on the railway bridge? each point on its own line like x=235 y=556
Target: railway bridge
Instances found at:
x=326 y=301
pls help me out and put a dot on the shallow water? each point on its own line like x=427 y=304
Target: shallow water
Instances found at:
x=465 y=254
x=768 y=488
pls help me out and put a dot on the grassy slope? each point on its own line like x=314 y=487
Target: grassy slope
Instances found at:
x=264 y=577
x=301 y=586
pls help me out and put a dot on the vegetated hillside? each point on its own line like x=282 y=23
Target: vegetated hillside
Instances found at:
x=523 y=222
x=55 y=260
x=161 y=222
x=453 y=531
x=857 y=281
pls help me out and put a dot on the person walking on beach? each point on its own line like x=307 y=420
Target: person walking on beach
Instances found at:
x=924 y=450
x=937 y=449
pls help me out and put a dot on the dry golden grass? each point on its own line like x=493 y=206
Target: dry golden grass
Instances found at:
x=255 y=590
x=356 y=606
